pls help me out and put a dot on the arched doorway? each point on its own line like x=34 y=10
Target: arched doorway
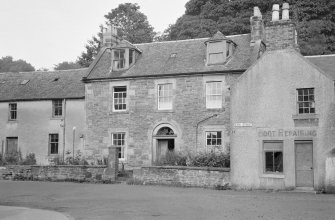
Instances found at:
x=164 y=141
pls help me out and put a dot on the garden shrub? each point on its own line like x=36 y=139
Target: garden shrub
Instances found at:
x=200 y=159
x=29 y=160
x=173 y=158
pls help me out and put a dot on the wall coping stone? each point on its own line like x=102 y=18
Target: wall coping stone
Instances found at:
x=78 y=166
x=222 y=169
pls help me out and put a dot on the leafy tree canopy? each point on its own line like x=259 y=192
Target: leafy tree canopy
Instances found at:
x=67 y=66
x=132 y=25
x=7 y=64
x=315 y=21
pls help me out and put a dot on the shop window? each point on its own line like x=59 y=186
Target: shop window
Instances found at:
x=53 y=143
x=306 y=101
x=213 y=140
x=118 y=140
x=165 y=96
x=214 y=94
x=57 y=108
x=273 y=157
x=120 y=98
x=119 y=60
x=12 y=111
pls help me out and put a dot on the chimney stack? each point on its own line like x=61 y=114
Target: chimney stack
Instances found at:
x=275 y=12
x=281 y=34
x=257 y=26
x=285 y=12
x=109 y=36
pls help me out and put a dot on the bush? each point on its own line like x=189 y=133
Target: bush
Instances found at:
x=13 y=158
x=209 y=159
x=29 y=160
x=200 y=159
x=173 y=158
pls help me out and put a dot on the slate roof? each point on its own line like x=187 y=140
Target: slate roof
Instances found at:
x=64 y=84
x=189 y=58
x=325 y=63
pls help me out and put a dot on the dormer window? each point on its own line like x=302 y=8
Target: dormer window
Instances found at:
x=124 y=56
x=219 y=49
x=119 y=60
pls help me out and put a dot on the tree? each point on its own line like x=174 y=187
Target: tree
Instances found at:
x=132 y=25
x=67 y=66
x=7 y=64
x=315 y=21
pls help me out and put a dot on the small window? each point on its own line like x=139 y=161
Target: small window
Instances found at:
x=306 y=101
x=131 y=57
x=12 y=111
x=119 y=60
x=118 y=140
x=273 y=157
x=120 y=98
x=57 y=108
x=213 y=95
x=53 y=143
x=165 y=96
x=213 y=139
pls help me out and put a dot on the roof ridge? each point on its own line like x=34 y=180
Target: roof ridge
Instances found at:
x=325 y=55
x=193 y=39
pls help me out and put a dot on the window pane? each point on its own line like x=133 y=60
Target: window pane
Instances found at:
x=165 y=96
x=269 y=162
x=213 y=95
x=278 y=161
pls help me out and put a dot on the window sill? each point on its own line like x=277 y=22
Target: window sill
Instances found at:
x=215 y=109
x=57 y=118
x=273 y=175
x=305 y=116
x=118 y=112
x=165 y=110
x=12 y=121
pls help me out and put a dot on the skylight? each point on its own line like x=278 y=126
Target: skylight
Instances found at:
x=24 y=82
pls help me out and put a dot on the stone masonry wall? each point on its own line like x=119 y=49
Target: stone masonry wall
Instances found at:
x=184 y=176
x=142 y=115
x=69 y=172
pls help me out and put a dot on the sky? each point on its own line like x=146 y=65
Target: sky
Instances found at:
x=47 y=32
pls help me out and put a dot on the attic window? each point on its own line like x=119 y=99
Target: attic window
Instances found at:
x=24 y=82
x=119 y=60
x=219 y=52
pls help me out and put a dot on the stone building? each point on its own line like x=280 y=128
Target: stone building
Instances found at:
x=282 y=114
x=154 y=97
x=38 y=111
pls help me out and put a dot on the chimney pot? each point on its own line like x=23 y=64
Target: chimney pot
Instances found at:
x=285 y=13
x=257 y=12
x=275 y=12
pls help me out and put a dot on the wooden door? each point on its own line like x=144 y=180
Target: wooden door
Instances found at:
x=304 y=164
x=162 y=147
x=11 y=145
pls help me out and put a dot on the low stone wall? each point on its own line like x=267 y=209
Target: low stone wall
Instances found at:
x=10 y=172
x=70 y=173
x=330 y=175
x=184 y=176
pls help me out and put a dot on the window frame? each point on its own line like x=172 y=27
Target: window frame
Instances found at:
x=124 y=99
x=118 y=59
x=56 y=107
x=169 y=96
x=208 y=106
x=121 y=147
x=309 y=102
x=264 y=151
x=10 y=111
x=51 y=142
x=213 y=147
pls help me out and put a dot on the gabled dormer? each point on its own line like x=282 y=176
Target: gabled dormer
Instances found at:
x=124 y=55
x=219 y=49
